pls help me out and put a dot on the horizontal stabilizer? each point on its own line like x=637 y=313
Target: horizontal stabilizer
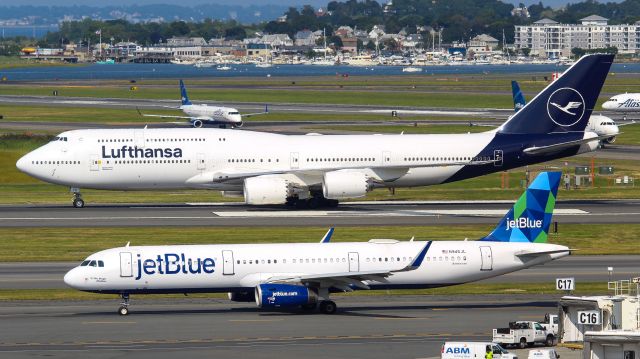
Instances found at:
x=541 y=150
x=533 y=254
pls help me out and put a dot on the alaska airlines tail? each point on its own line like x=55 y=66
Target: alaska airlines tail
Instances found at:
x=518 y=97
x=530 y=217
x=183 y=94
x=566 y=104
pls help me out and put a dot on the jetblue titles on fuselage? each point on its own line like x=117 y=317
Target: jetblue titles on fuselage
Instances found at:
x=173 y=263
x=135 y=152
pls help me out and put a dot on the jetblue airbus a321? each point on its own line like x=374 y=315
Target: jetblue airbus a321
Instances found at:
x=302 y=275
x=312 y=170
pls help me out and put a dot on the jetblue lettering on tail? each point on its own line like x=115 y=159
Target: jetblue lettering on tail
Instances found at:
x=313 y=170
x=303 y=275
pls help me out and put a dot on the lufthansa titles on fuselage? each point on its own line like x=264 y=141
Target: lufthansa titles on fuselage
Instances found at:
x=136 y=152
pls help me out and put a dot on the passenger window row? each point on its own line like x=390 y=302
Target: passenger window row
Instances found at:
x=341 y=159
x=55 y=162
x=250 y=160
x=127 y=162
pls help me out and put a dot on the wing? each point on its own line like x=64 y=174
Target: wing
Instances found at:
x=231 y=175
x=266 y=111
x=171 y=116
x=347 y=281
x=627 y=123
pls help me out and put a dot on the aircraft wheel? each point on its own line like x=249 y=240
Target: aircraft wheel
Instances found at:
x=78 y=203
x=123 y=310
x=328 y=307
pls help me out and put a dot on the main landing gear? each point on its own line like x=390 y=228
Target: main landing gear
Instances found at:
x=124 y=306
x=77 y=202
x=325 y=307
x=317 y=200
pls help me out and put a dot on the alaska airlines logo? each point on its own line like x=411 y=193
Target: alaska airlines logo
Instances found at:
x=565 y=107
x=172 y=263
x=523 y=222
x=629 y=103
x=135 y=152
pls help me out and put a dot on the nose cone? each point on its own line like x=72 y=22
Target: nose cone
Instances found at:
x=237 y=119
x=607 y=105
x=74 y=278
x=23 y=163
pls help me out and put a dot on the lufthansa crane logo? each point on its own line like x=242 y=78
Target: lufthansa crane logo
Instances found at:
x=565 y=107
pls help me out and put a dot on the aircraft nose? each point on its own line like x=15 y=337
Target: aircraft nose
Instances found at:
x=23 y=163
x=73 y=278
x=607 y=105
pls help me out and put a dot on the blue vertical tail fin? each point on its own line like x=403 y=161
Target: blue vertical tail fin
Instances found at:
x=566 y=104
x=530 y=217
x=518 y=97
x=183 y=94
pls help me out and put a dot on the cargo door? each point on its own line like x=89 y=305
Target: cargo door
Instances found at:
x=126 y=265
x=487 y=258
x=227 y=263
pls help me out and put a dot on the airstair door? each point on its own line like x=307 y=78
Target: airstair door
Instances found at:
x=126 y=265
x=200 y=159
x=354 y=262
x=95 y=163
x=139 y=138
x=497 y=158
x=487 y=258
x=386 y=157
x=227 y=263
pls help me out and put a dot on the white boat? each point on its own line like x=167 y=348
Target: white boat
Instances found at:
x=362 y=60
x=263 y=65
x=323 y=62
x=223 y=68
x=202 y=64
x=411 y=69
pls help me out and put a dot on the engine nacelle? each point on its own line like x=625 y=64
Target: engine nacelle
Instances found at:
x=197 y=123
x=342 y=185
x=610 y=139
x=265 y=190
x=284 y=295
x=232 y=194
x=242 y=296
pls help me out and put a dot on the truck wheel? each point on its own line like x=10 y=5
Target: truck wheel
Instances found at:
x=550 y=340
x=523 y=343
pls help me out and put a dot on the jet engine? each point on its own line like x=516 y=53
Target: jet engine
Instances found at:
x=610 y=140
x=238 y=124
x=242 y=296
x=265 y=190
x=197 y=123
x=342 y=185
x=284 y=295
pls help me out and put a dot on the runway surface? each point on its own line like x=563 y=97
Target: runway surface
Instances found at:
x=371 y=327
x=348 y=213
x=48 y=275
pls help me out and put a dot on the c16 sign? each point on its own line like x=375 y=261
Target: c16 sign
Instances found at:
x=589 y=317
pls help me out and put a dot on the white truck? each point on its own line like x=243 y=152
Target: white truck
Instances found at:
x=474 y=350
x=523 y=333
x=550 y=323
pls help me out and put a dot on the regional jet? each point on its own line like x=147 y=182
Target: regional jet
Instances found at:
x=625 y=103
x=598 y=124
x=199 y=115
x=313 y=170
x=303 y=275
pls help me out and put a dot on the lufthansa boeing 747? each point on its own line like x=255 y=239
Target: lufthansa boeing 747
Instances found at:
x=303 y=275
x=312 y=170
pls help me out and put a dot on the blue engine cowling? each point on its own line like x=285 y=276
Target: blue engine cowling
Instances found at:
x=284 y=295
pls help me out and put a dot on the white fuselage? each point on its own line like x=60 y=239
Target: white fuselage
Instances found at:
x=603 y=126
x=628 y=102
x=213 y=113
x=194 y=158
x=233 y=267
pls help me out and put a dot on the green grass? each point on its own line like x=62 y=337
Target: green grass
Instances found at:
x=74 y=244
x=13 y=62
x=471 y=288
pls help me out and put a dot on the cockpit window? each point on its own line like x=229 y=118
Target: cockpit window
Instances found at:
x=100 y=264
x=234 y=113
x=84 y=264
x=92 y=264
x=59 y=138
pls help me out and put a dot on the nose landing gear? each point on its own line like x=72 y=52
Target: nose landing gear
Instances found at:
x=77 y=202
x=124 y=306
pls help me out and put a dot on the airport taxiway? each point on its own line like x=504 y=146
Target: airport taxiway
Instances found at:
x=364 y=326
x=348 y=213
x=48 y=275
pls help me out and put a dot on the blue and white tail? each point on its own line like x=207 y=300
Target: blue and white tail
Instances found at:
x=566 y=104
x=183 y=94
x=518 y=97
x=530 y=217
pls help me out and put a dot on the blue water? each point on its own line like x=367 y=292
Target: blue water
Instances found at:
x=160 y=71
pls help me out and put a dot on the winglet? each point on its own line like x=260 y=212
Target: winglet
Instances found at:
x=419 y=258
x=327 y=236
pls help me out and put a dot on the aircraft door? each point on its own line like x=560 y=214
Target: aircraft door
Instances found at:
x=200 y=159
x=386 y=157
x=139 y=138
x=227 y=263
x=487 y=258
x=95 y=163
x=126 y=265
x=354 y=262
x=294 y=160
x=497 y=157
